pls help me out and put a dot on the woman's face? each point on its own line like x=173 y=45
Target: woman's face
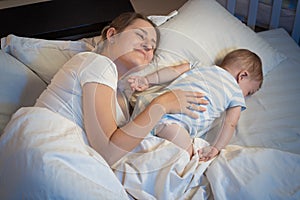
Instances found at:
x=135 y=45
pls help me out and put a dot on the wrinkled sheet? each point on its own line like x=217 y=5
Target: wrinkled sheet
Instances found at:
x=263 y=161
x=44 y=156
x=255 y=173
x=160 y=170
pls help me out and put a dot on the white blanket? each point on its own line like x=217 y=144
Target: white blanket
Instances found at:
x=255 y=173
x=264 y=161
x=44 y=155
x=160 y=170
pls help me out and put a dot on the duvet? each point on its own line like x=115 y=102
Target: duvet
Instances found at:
x=44 y=155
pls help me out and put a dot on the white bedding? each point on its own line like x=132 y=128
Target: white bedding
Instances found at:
x=262 y=161
x=273 y=115
x=45 y=156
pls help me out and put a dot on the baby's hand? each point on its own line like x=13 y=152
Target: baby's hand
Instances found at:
x=207 y=153
x=138 y=83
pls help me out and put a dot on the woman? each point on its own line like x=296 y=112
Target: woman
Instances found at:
x=85 y=89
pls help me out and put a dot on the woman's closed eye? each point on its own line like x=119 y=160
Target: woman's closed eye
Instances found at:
x=141 y=36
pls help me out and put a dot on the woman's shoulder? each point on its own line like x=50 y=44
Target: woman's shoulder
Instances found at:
x=87 y=58
x=90 y=54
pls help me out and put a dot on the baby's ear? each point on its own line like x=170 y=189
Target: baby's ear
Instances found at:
x=242 y=75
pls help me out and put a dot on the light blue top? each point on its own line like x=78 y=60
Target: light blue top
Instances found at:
x=221 y=90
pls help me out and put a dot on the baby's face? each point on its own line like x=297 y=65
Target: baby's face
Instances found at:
x=249 y=87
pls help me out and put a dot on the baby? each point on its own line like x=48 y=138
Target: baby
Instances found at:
x=225 y=86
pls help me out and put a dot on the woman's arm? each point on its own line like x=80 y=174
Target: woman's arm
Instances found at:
x=224 y=136
x=112 y=142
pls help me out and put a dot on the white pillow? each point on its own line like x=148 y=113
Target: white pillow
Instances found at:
x=213 y=30
x=19 y=86
x=44 y=57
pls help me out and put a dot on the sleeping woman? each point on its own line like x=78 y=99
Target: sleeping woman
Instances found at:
x=85 y=89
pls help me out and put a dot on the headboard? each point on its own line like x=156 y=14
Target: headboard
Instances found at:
x=156 y=7
x=60 y=19
x=276 y=8
x=250 y=8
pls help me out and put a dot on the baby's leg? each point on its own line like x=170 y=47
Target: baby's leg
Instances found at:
x=176 y=134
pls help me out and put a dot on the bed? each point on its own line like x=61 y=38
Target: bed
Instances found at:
x=285 y=12
x=50 y=159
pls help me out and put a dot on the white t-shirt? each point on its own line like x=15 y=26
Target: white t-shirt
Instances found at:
x=64 y=93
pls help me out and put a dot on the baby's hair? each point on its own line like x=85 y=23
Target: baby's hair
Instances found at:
x=126 y=19
x=245 y=60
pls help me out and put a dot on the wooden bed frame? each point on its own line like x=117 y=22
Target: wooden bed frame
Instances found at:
x=274 y=21
x=60 y=19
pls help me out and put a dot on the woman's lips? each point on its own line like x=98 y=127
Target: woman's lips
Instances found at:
x=141 y=51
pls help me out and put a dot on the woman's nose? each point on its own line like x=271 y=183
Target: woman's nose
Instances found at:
x=147 y=46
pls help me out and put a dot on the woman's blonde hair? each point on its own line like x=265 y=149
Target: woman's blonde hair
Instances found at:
x=244 y=59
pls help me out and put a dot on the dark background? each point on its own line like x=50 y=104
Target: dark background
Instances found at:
x=61 y=19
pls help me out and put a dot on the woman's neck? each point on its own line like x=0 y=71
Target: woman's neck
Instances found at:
x=121 y=68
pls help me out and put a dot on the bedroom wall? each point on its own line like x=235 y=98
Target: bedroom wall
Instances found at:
x=60 y=19
x=14 y=3
x=156 y=7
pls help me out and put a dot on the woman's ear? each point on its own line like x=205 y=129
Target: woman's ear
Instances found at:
x=110 y=33
x=242 y=75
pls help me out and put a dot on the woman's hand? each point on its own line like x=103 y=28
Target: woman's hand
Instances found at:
x=179 y=101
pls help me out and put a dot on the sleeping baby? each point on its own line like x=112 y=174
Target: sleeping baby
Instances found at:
x=224 y=86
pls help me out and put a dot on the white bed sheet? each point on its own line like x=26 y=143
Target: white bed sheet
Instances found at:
x=263 y=159
x=273 y=117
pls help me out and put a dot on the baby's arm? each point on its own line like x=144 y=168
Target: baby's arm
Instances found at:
x=224 y=136
x=163 y=75
x=168 y=74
